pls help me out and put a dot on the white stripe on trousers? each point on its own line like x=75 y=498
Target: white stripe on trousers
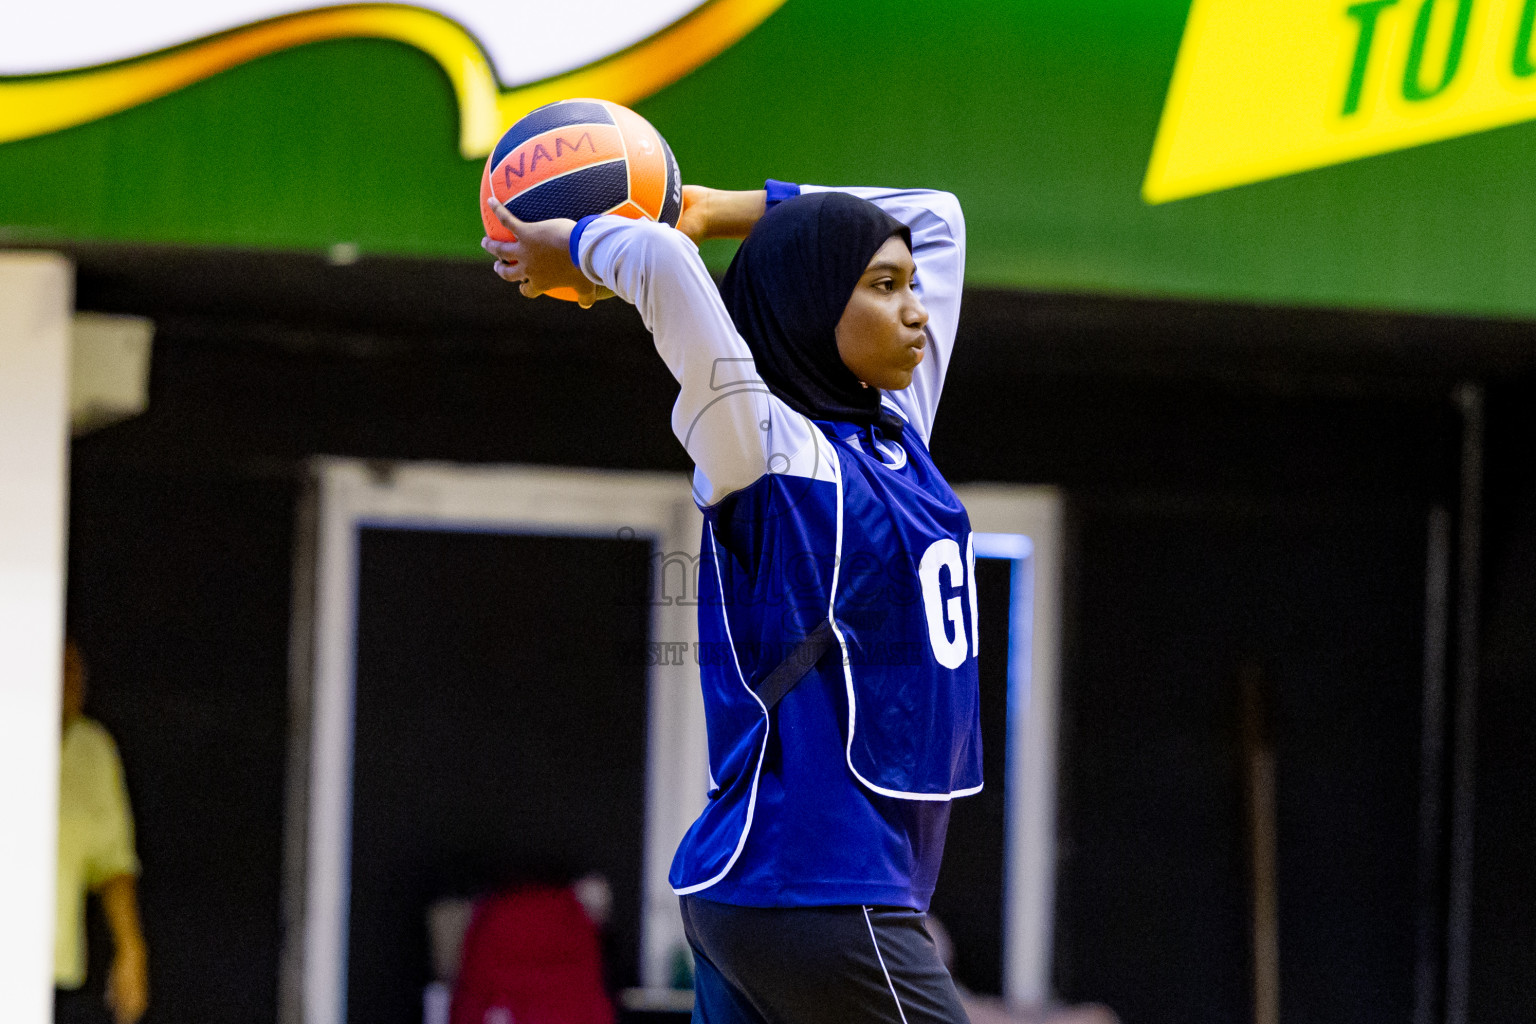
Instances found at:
x=886 y=972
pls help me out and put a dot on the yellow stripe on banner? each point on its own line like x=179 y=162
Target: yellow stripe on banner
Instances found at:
x=1264 y=89
x=39 y=105
x=648 y=66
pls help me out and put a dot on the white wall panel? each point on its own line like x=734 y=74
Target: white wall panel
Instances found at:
x=36 y=296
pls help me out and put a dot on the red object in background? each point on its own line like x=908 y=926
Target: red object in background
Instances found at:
x=531 y=956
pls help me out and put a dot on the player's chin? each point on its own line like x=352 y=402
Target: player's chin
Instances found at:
x=902 y=375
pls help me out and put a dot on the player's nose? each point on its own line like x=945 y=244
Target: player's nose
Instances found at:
x=915 y=314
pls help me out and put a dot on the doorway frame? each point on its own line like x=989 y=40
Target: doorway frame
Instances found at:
x=1035 y=516
x=348 y=496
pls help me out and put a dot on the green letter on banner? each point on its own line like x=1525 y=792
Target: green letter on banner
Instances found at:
x=1522 y=66
x=1413 y=89
x=1366 y=14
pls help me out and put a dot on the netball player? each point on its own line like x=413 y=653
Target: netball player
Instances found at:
x=837 y=612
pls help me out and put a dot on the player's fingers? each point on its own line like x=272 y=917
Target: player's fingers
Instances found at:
x=531 y=290
x=509 y=271
x=501 y=250
x=505 y=215
x=508 y=253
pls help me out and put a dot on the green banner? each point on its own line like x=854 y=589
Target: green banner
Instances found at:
x=1041 y=116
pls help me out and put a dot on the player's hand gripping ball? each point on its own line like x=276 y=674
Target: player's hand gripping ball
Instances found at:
x=576 y=158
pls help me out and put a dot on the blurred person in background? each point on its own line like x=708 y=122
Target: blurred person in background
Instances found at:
x=96 y=855
x=530 y=952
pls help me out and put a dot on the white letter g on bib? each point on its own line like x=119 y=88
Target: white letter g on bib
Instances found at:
x=944 y=616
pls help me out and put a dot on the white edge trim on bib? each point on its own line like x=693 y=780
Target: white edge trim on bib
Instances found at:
x=762 y=751
x=837 y=558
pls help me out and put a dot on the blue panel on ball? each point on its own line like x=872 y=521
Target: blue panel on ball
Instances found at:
x=672 y=203
x=555 y=115
x=595 y=189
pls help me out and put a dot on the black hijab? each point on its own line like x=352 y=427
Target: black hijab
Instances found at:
x=786 y=290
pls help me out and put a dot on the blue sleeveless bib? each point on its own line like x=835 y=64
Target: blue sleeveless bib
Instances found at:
x=841 y=794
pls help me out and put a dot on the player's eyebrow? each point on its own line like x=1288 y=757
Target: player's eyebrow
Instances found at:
x=890 y=268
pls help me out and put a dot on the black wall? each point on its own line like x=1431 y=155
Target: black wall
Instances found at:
x=499 y=739
x=1504 y=840
x=1243 y=483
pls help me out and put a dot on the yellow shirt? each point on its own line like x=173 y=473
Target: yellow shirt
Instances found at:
x=95 y=838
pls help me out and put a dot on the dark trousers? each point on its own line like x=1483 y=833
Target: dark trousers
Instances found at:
x=807 y=965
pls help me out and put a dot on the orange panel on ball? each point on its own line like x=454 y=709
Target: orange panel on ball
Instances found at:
x=647 y=160
x=493 y=226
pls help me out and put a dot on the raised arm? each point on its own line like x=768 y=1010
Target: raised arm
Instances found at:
x=938 y=248
x=732 y=427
